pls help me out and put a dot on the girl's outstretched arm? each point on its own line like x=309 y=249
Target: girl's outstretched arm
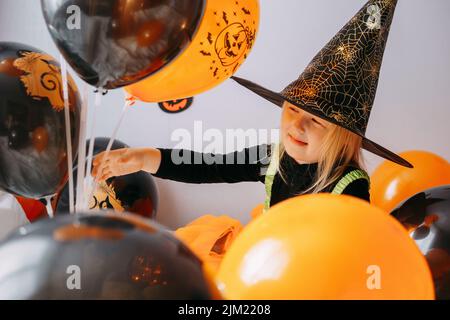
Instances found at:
x=125 y=161
x=185 y=165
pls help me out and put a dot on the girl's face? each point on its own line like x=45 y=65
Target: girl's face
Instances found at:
x=302 y=133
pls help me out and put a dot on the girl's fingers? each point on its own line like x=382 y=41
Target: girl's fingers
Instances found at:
x=103 y=163
x=95 y=169
x=123 y=159
x=123 y=155
x=105 y=170
x=101 y=178
x=100 y=162
x=106 y=176
x=98 y=159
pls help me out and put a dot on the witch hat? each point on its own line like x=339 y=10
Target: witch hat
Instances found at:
x=340 y=83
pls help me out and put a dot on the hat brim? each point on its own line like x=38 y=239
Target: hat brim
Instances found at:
x=278 y=99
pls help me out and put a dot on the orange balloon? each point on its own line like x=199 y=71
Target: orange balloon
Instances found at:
x=257 y=211
x=324 y=246
x=219 y=47
x=391 y=184
x=210 y=274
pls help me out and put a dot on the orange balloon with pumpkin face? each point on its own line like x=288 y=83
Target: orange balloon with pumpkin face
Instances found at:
x=176 y=106
x=222 y=43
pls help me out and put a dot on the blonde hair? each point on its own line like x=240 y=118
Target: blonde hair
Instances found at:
x=339 y=149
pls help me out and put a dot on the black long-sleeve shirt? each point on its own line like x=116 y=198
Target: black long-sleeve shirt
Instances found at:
x=249 y=164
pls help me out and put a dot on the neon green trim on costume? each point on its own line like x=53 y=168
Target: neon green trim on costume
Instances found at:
x=270 y=175
x=349 y=178
x=338 y=189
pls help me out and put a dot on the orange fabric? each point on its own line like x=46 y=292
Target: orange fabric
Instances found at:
x=209 y=237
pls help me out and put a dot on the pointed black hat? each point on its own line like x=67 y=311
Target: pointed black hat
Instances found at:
x=340 y=83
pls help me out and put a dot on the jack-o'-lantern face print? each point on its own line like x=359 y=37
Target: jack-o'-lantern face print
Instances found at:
x=230 y=38
x=232 y=44
x=105 y=198
x=219 y=47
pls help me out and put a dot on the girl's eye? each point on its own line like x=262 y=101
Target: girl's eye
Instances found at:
x=317 y=122
x=293 y=109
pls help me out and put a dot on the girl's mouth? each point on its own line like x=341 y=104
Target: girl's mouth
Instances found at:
x=297 y=141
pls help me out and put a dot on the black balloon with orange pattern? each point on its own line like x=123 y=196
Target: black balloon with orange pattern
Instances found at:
x=33 y=152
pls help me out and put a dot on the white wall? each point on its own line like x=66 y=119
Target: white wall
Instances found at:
x=411 y=109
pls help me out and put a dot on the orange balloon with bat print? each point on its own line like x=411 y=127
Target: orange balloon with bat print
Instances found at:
x=222 y=43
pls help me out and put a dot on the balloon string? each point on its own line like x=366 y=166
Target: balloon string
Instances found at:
x=128 y=103
x=68 y=133
x=87 y=181
x=82 y=151
x=48 y=205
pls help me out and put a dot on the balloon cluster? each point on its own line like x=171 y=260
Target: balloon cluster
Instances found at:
x=180 y=48
x=158 y=50
x=328 y=247
x=420 y=199
x=177 y=48
x=319 y=246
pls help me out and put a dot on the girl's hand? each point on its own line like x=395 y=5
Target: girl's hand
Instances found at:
x=125 y=161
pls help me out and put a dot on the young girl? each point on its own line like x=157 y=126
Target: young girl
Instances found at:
x=314 y=155
x=325 y=113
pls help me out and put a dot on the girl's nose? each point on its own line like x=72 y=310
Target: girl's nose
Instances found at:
x=300 y=121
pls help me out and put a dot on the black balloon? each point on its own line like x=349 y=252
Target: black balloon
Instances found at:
x=18 y=136
x=33 y=161
x=136 y=192
x=427 y=217
x=114 y=43
x=99 y=256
